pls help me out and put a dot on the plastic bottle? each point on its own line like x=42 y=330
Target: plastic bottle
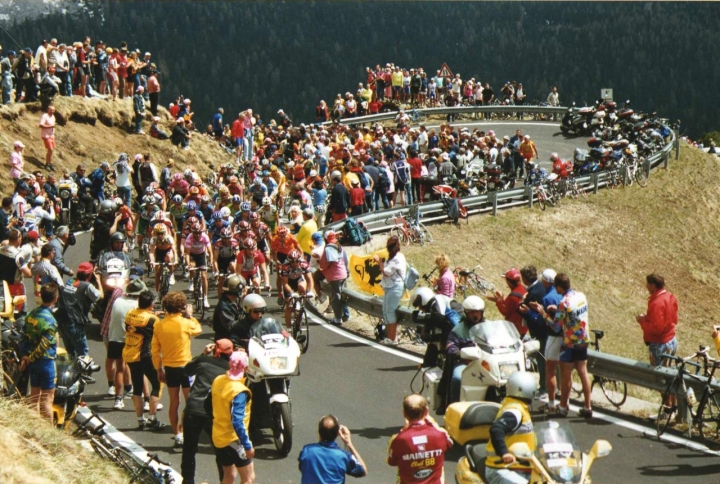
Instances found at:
x=691 y=396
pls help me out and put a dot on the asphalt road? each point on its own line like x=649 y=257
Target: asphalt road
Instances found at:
x=364 y=386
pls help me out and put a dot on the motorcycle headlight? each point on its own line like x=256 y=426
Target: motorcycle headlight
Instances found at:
x=65 y=194
x=278 y=363
x=507 y=369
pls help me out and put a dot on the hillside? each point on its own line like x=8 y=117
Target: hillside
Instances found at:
x=607 y=244
x=35 y=453
x=91 y=131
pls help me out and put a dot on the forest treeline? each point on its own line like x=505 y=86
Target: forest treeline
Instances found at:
x=270 y=55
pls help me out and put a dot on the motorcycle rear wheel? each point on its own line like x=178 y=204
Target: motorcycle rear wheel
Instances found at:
x=282 y=427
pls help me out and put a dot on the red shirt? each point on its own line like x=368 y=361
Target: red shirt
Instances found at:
x=508 y=307
x=419 y=453
x=357 y=197
x=662 y=316
x=174 y=111
x=415 y=167
x=249 y=266
x=237 y=129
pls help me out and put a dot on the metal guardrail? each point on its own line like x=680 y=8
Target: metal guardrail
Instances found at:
x=601 y=364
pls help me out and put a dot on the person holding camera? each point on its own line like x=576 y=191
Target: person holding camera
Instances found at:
x=325 y=461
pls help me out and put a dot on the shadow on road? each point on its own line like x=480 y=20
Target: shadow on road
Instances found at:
x=680 y=470
x=348 y=345
x=376 y=432
x=400 y=369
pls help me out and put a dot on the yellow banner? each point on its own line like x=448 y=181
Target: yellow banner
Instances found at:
x=365 y=272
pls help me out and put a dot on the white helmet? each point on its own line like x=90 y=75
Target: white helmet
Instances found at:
x=473 y=303
x=225 y=212
x=553 y=156
x=336 y=175
x=253 y=301
x=522 y=384
x=267 y=201
x=422 y=296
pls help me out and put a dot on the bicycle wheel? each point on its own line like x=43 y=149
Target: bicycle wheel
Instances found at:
x=541 y=200
x=102 y=449
x=401 y=235
x=709 y=421
x=615 y=391
x=302 y=328
x=481 y=285
x=428 y=235
x=140 y=473
x=641 y=177
x=664 y=413
x=164 y=284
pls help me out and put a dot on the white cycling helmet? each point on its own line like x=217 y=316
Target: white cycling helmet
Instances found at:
x=225 y=212
x=473 y=303
x=522 y=384
x=553 y=156
x=253 y=301
x=266 y=201
x=422 y=296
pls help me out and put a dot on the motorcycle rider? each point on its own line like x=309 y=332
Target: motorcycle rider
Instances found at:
x=104 y=226
x=227 y=312
x=83 y=188
x=254 y=306
x=439 y=311
x=459 y=338
x=512 y=424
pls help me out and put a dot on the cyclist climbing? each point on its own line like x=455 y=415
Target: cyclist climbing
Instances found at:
x=147 y=211
x=218 y=225
x=250 y=264
x=224 y=253
x=280 y=247
x=269 y=214
x=261 y=233
x=197 y=251
x=162 y=249
x=295 y=277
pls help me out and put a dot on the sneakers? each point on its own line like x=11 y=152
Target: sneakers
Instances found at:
x=129 y=393
x=585 y=413
x=111 y=391
x=179 y=441
x=146 y=407
x=389 y=342
x=142 y=423
x=206 y=304
x=171 y=281
x=191 y=286
x=119 y=404
x=155 y=424
x=557 y=411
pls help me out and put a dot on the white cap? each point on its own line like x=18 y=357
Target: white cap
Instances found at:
x=548 y=275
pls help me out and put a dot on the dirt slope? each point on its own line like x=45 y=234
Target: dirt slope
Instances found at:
x=92 y=131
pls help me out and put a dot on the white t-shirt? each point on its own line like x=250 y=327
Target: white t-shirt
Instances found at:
x=122 y=179
x=394 y=271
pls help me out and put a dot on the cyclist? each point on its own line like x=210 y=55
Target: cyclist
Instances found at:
x=261 y=233
x=234 y=186
x=280 y=246
x=270 y=183
x=562 y=169
x=223 y=198
x=198 y=249
x=218 y=225
x=159 y=193
x=147 y=211
x=193 y=196
x=162 y=249
x=224 y=253
x=197 y=182
x=535 y=174
x=269 y=214
x=206 y=207
x=295 y=278
x=243 y=231
x=258 y=190
x=244 y=214
x=192 y=211
x=236 y=205
x=250 y=264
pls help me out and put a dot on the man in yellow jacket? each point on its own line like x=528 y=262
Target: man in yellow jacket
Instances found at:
x=170 y=351
x=231 y=403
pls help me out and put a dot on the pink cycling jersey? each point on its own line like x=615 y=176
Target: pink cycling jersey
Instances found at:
x=197 y=245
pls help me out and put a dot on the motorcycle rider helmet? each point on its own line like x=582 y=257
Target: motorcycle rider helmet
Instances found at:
x=266 y=201
x=422 y=296
x=553 y=156
x=253 y=301
x=236 y=199
x=226 y=233
x=294 y=256
x=233 y=284
x=196 y=228
x=177 y=199
x=243 y=226
x=106 y=207
x=149 y=200
x=191 y=205
x=473 y=303
x=160 y=230
x=117 y=237
x=249 y=244
x=245 y=207
x=522 y=385
x=225 y=212
x=253 y=216
x=282 y=230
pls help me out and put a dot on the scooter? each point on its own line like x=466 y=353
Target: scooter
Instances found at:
x=557 y=459
x=72 y=376
x=274 y=360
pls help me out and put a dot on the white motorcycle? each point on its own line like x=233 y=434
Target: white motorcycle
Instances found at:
x=273 y=361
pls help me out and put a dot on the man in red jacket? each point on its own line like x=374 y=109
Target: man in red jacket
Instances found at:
x=508 y=306
x=658 y=324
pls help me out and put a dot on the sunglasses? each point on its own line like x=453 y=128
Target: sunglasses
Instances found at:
x=261 y=310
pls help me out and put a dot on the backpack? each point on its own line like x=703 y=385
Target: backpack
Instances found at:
x=363 y=177
x=97 y=176
x=401 y=172
x=355 y=232
x=411 y=277
x=383 y=180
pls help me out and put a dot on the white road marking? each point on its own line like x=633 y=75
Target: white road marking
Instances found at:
x=599 y=415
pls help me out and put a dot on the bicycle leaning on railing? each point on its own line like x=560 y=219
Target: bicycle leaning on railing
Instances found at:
x=409 y=230
x=614 y=390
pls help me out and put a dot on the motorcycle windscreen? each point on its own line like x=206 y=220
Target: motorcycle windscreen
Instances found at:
x=496 y=336
x=116 y=274
x=558 y=451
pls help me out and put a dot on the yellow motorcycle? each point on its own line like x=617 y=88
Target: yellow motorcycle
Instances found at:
x=13 y=382
x=72 y=376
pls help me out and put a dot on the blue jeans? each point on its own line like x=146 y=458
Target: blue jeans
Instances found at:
x=340 y=309
x=247 y=144
x=73 y=336
x=48 y=226
x=126 y=194
x=6 y=95
x=68 y=84
x=380 y=195
x=455 y=383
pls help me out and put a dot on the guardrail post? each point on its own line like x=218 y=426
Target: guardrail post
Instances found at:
x=646 y=167
x=595 y=180
x=529 y=194
x=624 y=174
x=677 y=147
x=666 y=160
x=493 y=200
x=682 y=409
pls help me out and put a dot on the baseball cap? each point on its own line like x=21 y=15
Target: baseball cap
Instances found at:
x=238 y=363
x=330 y=237
x=33 y=235
x=18 y=144
x=548 y=275
x=223 y=347
x=317 y=237
x=513 y=275
x=85 y=267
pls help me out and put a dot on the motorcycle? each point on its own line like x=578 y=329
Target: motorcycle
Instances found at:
x=71 y=211
x=496 y=179
x=557 y=459
x=273 y=361
x=72 y=376
x=13 y=381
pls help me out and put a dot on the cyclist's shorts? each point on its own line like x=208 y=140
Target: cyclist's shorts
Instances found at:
x=224 y=263
x=199 y=259
x=160 y=255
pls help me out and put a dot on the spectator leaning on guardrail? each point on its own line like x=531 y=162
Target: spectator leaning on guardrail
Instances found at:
x=658 y=323
x=393 y=284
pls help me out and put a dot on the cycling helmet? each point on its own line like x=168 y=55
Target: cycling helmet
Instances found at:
x=117 y=201
x=249 y=243
x=160 y=229
x=226 y=233
x=543 y=172
x=473 y=303
x=205 y=199
x=178 y=176
x=149 y=191
x=194 y=190
x=282 y=230
x=196 y=228
x=265 y=173
x=117 y=237
x=197 y=182
x=149 y=200
x=422 y=296
x=521 y=384
x=191 y=205
x=253 y=216
x=233 y=179
x=159 y=216
x=245 y=207
x=187 y=172
x=553 y=156
x=106 y=207
x=236 y=199
x=294 y=256
x=243 y=226
x=225 y=212
x=177 y=199
x=192 y=221
x=253 y=301
x=266 y=201
x=233 y=284
x=217 y=216
x=224 y=190
x=257 y=181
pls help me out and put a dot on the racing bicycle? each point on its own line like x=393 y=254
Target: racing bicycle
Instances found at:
x=298 y=318
x=466 y=280
x=407 y=231
x=614 y=390
x=198 y=289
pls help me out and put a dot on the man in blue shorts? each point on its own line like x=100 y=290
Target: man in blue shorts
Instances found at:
x=38 y=349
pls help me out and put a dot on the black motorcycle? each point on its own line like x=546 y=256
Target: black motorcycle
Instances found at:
x=72 y=210
x=72 y=376
x=13 y=381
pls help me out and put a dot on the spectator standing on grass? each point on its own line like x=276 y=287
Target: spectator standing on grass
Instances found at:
x=325 y=461
x=217 y=123
x=17 y=164
x=445 y=282
x=47 y=133
x=658 y=323
x=139 y=107
x=153 y=88
x=180 y=135
x=509 y=306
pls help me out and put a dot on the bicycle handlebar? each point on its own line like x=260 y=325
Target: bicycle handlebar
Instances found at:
x=156 y=458
x=685 y=361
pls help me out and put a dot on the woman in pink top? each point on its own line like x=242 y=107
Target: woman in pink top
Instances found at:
x=16 y=161
x=445 y=284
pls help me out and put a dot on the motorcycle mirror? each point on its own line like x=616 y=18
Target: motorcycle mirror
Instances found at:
x=532 y=346
x=600 y=448
x=522 y=451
